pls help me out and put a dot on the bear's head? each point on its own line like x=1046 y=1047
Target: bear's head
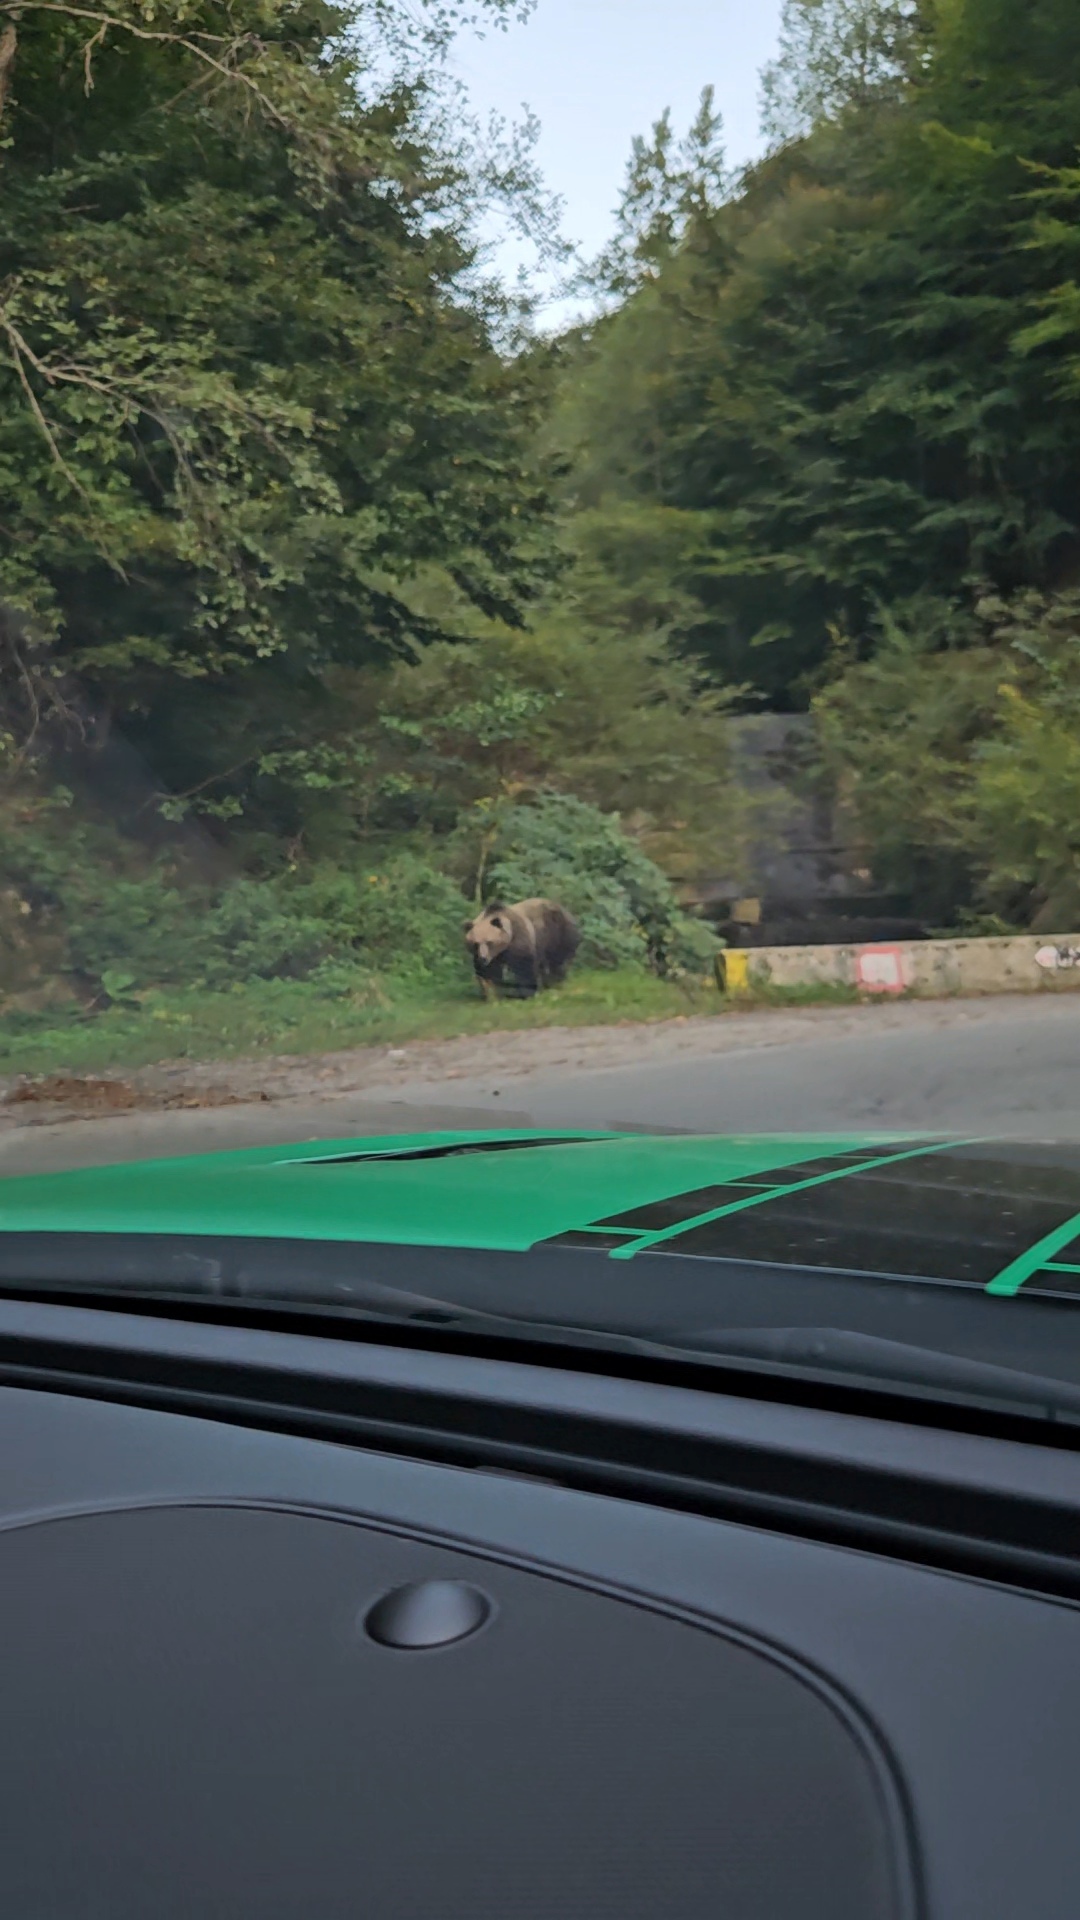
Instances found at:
x=489 y=934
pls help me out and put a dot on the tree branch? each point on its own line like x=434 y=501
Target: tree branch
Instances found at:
x=225 y=64
x=9 y=41
x=20 y=352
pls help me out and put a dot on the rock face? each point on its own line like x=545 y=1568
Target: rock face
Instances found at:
x=804 y=883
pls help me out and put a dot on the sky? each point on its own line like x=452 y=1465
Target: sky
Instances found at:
x=597 y=72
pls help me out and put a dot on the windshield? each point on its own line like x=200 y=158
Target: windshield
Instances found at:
x=540 y=620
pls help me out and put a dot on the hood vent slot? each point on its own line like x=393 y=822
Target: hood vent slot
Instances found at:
x=456 y=1150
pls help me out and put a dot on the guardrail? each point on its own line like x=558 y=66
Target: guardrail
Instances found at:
x=1024 y=963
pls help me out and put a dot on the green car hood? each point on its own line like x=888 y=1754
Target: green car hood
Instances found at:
x=498 y=1191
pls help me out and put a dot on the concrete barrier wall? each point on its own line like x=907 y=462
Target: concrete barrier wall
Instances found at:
x=1028 y=963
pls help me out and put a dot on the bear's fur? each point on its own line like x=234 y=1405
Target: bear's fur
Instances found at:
x=523 y=947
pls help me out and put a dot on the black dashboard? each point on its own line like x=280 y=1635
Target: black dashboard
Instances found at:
x=258 y=1670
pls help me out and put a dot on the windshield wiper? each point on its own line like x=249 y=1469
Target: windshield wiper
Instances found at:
x=820 y=1356
x=870 y=1361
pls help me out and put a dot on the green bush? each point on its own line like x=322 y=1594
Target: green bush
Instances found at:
x=957 y=751
x=147 y=933
x=88 y=907
x=144 y=928
x=626 y=907
x=131 y=932
x=401 y=916
x=255 y=932
x=80 y=904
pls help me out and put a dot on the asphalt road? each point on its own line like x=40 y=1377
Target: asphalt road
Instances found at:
x=1008 y=1066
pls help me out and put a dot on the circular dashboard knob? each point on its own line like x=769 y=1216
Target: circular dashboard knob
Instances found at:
x=433 y=1613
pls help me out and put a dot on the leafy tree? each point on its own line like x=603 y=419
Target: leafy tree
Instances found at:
x=1025 y=790
x=898 y=733
x=249 y=373
x=614 y=717
x=670 y=185
x=960 y=764
x=849 y=381
x=837 y=56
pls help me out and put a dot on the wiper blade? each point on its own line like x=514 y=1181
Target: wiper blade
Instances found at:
x=872 y=1361
x=372 y=1304
x=803 y=1355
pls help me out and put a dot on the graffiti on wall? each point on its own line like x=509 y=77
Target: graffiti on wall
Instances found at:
x=1057 y=959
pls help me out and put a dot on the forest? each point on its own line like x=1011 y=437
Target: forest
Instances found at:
x=336 y=595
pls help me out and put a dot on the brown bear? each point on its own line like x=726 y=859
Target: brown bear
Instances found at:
x=523 y=947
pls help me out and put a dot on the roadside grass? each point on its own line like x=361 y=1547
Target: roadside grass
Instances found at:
x=280 y=1017
x=814 y=993
x=287 y=1017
